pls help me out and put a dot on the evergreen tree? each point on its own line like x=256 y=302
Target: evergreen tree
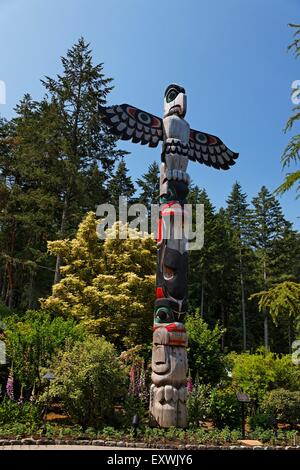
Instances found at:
x=200 y=262
x=291 y=153
x=212 y=270
x=282 y=299
x=82 y=139
x=267 y=225
x=238 y=213
x=56 y=156
x=149 y=185
x=120 y=184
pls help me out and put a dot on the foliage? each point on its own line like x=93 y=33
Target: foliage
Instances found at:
x=198 y=403
x=258 y=373
x=89 y=381
x=283 y=404
x=24 y=413
x=205 y=357
x=120 y=185
x=283 y=298
x=56 y=157
x=261 y=421
x=107 y=286
x=291 y=152
x=224 y=408
x=33 y=340
x=149 y=186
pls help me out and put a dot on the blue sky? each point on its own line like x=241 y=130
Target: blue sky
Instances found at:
x=231 y=56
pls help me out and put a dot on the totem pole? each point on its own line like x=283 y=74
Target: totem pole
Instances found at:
x=180 y=144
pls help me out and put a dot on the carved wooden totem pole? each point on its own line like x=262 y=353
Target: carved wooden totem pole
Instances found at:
x=180 y=144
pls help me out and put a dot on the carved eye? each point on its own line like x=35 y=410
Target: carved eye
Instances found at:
x=171 y=95
x=144 y=118
x=163 y=314
x=201 y=138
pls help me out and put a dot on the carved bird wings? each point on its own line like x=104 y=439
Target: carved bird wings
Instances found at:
x=130 y=123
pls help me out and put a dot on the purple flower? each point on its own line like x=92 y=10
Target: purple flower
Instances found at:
x=10 y=387
x=189 y=384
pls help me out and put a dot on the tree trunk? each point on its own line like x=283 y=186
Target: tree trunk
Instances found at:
x=290 y=331
x=243 y=304
x=223 y=325
x=30 y=290
x=4 y=282
x=59 y=259
x=266 y=330
x=266 y=325
x=9 y=271
x=202 y=297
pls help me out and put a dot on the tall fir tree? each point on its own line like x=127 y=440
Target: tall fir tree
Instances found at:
x=60 y=156
x=149 y=186
x=82 y=138
x=238 y=213
x=120 y=184
x=267 y=225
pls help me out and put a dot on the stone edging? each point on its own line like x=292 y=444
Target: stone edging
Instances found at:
x=99 y=442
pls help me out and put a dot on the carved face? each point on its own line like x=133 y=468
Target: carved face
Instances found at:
x=175 y=101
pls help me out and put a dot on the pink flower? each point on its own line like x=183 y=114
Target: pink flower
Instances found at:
x=10 y=387
x=189 y=384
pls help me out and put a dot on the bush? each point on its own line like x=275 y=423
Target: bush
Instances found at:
x=32 y=341
x=224 y=408
x=205 y=357
x=261 y=421
x=198 y=403
x=134 y=406
x=283 y=404
x=259 y=373
x=254 y=373
x=287 y=374
x=89 y=380
x=12 y=412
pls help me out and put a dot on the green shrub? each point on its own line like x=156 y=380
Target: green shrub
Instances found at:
x=224 y=408
x=33 y=339
x=263 y=435
x=261 y=421
x=5 y=311
x=283 y=404
x=198 y=403
x=254 y=373
x=287 y=374
x=259 y=373
x=134 y=406
x=89 y=379
x=12 y=412
x=205 y=356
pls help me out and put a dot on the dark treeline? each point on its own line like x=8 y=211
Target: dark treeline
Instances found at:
x=58 y=161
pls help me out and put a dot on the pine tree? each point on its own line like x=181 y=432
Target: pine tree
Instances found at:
x=82 y=139
x=267 y=225
x=56 y=157
x=149 y=185
x=212 y=271
x=120 y=184
x=200 y=262
x=238 y=213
